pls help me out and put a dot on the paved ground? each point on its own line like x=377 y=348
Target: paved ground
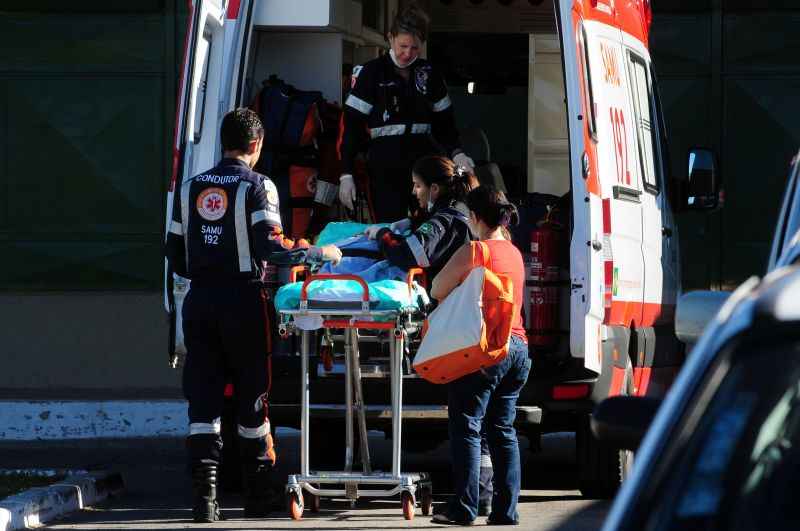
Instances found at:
x=157 y=495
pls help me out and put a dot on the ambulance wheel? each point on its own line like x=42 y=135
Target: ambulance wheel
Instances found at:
x=426 y=501
x=407 y=499
x=602 y=468
x=295 y=502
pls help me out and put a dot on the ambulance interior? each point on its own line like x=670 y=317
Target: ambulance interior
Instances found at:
x=502 y=62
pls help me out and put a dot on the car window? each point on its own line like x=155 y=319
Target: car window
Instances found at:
x=739 y=462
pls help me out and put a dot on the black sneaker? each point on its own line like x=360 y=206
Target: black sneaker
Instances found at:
x=444 y=519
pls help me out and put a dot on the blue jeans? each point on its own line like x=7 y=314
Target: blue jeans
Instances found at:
x=491 y=393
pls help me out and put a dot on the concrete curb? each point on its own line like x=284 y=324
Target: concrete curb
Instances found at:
x=40 y=505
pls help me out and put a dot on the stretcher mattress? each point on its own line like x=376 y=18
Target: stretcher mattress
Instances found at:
x=388 y=289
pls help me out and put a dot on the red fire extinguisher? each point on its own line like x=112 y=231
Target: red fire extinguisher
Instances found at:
x=542 y=276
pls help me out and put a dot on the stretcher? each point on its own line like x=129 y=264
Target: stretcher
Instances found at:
x=348 y=321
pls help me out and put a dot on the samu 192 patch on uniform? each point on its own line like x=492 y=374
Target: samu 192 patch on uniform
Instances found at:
x=212 y=203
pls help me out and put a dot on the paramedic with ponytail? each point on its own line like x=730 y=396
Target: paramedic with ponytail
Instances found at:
x=439 y=188
x=487 y=397
x=225 y=228
x=398 y=111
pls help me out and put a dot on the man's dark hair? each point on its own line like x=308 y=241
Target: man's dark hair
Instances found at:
x=411 y=19
x=240 y=127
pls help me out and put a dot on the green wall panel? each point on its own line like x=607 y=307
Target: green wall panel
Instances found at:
x=761 y=135
x=85 y=127
x=86 y=154
x=119 y=43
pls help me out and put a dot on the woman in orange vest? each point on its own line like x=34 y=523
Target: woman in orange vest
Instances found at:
x=488 y=397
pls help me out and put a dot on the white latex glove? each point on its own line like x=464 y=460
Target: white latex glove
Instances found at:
x=347 y=190
x=372 y=231
x=331 y=253
x=461 y=159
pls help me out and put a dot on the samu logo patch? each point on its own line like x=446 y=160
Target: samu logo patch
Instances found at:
x=212 y=203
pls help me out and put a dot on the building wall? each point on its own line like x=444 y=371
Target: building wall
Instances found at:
x=728 y=75
x=86 y=109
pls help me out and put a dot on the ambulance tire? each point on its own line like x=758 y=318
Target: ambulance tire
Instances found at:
x=601 y=468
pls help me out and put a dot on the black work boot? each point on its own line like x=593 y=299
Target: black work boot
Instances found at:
x=256 y=489
x=204 y=493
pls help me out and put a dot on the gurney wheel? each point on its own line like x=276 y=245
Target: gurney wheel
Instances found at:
x=407 y=499
x=426 y=502
x=313 y=502
x=295 y=503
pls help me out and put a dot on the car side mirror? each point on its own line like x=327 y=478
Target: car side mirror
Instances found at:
x=701 y=190
x=622 y=421
x=694 y=311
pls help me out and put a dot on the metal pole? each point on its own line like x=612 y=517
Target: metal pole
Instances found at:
x=396 y=361
x=359 y=404
x=305 y=347
x=348 y=395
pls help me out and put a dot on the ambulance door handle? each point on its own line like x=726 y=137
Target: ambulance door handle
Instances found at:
x=666 y=231
x=597 y=245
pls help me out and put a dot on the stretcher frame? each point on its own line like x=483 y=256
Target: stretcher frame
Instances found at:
x=399 y=324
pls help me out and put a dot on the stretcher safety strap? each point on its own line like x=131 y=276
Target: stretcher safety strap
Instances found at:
x=253 y=433
x=176 y=228
x=242 y=238
x=185 y=217
x=358 y=104
x=419 y=253
x=399 y=129
x=264 y=215
x=206 y=428
x=442 y=104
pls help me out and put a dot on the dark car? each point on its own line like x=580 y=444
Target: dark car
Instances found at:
x=723 y=450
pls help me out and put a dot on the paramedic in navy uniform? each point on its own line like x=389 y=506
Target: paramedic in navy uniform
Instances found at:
x=398 y=111
x=225 y=226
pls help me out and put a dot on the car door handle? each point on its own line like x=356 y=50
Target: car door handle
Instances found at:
x=666 y=231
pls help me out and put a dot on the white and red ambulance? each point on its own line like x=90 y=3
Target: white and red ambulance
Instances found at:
x=612 y=297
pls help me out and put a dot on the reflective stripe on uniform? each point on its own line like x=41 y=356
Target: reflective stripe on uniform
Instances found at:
x=442 y=104
x=399 y=129
x=387 y=130
x=358 y=104
x=254 y=433
x=185 y=187
x=265 y=215
x=486 y=461
x=242 y=238
x=205 y=428
x=176 y=228
x=419 y=253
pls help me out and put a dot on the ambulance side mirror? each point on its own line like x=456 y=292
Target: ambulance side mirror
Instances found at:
x=701 y=190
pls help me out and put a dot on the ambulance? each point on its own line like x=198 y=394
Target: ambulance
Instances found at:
x=600 y=240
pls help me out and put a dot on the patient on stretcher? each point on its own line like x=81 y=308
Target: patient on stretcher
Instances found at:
x=388 y=287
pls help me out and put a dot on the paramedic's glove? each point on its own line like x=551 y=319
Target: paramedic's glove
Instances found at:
x=347 y=191
x=462 y=159
x=331 y=253
x=372 y=231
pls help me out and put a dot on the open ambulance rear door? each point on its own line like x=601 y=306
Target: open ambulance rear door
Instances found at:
x=586 y=248
x=211 y=84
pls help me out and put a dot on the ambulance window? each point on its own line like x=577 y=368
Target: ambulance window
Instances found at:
x=203 y=55
x=588 y=95
x=641 y=97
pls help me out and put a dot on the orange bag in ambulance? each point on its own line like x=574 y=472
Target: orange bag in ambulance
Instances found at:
x=480 y=310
